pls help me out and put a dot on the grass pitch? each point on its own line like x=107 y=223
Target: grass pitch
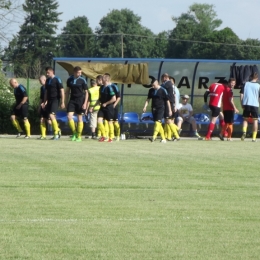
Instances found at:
x=129 y=200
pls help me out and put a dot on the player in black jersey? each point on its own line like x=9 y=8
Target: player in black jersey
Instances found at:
x=54 y=93
x=20 y=109
x=78 y=94
x=160 y=100
x=107 y=99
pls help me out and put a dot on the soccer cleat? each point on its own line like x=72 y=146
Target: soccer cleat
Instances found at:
x=74 y=137
x=168 y=139
x=174 y=139
x=221 y=137
x=243 y=136
x=117 y=138
x=200 y=138
x=179 y=131
x=27 y=137
x=41 y=138
x=55 y=137
x=151 y=139
x=78 y=139
x=110 y=140
x=19 y=134
x=207 y=139
x=254 y=140
x=59 y=133
x=102 y=139
x=196 y=135
x=163 y=141
x=229 y=139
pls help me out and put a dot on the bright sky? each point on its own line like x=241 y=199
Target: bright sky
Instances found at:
x=241 y=16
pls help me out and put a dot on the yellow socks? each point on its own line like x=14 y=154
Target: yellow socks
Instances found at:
x=43 y=129
x=254 y=135
x=27 y=128
x=117 y=129
x=101 y=128
x=17 y=125
x=111 y=130
x=72 y=126
x=80 y=129
x=157 y=129
x=106 y=127
x=162 y=132
x=55 y=126
x=174 y=128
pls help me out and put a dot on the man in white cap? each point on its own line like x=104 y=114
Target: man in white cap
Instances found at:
x=185 y=114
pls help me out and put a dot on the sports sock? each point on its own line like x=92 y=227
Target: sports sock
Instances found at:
x=165 y=130
x=169 y=131
x=174 y=128
x=98 y=133
x=244 y=129
x=111 y=130
x=156 y=130
x=43 y=129
x=117 y=129
x=72 y=126
x=80 y=129
x=27 y=128
x=162 y=132
x=17 y=125
x=106 y=127
x=230 y=130
x=223 y=129
x=210 y=130
x=101 y=128
x=55 y=126
x=254 y=135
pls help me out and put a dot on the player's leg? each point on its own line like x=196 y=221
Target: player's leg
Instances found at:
x=80 y=112
x=70 y=113
x=15 y=122
x=246 y=115
x=52 y=107
x=24 y=115
x=193 y=123
x=109 y=116
x=100 y=125
x=215 y=113
x=254 y=113
x=93 y=124
x=116 y=124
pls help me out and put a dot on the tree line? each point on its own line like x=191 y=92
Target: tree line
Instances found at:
x=195 y=35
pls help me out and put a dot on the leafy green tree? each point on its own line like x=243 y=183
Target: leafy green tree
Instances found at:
x=77 y=38
x=121 y=34
x=36 y=39
x=250 y=49
x=160 y=45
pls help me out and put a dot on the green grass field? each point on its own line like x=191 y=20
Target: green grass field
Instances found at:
x=129 y=200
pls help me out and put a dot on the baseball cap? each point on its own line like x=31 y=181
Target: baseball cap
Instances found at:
x=185 y=96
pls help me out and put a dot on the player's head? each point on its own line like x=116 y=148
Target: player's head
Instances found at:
x=42 y=79
x=223 y=82
x=165 y=77
x=231 y=82
x=172 y=79
x=13 y=83
x=49 y=72
x=106 y=79
x=185 y=99
x=99 y=80
x=93 y=82
x=254 y=76
x=155 y=84
x=77 y=71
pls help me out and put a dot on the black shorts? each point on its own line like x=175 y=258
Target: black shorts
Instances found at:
x=44 y=114
x=115 y=114
x=75 y=106
x=250 y=111
x=107 y=113
x=166 y=112
x=158 y=113
x=229 y=116
x=214 y=111
x=22 y=112
x=52 y=106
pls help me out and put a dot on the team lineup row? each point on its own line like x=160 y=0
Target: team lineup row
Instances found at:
x=102 y=98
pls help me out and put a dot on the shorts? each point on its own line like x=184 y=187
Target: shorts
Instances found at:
x=229 y=116
x=166 y=112
x=158 y=113
x=250 y=111
x=215 y=111
x=107 y=112
x=189 y=120
x=22 y=112
x=75 y=106
x=44 y=114
x=93 y=119
x=52 y=106
x=116 y=113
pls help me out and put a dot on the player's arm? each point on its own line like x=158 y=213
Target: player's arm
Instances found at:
x=206 y=96
x=231 y=100
x=241 y=96
x=62 y=95
x=25 y=98
x=111 y=101
x=146 y=104
x=169 y=107
x=84 y=106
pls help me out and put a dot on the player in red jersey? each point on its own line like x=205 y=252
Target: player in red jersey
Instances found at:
x=215 y=91
x=229 y=109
